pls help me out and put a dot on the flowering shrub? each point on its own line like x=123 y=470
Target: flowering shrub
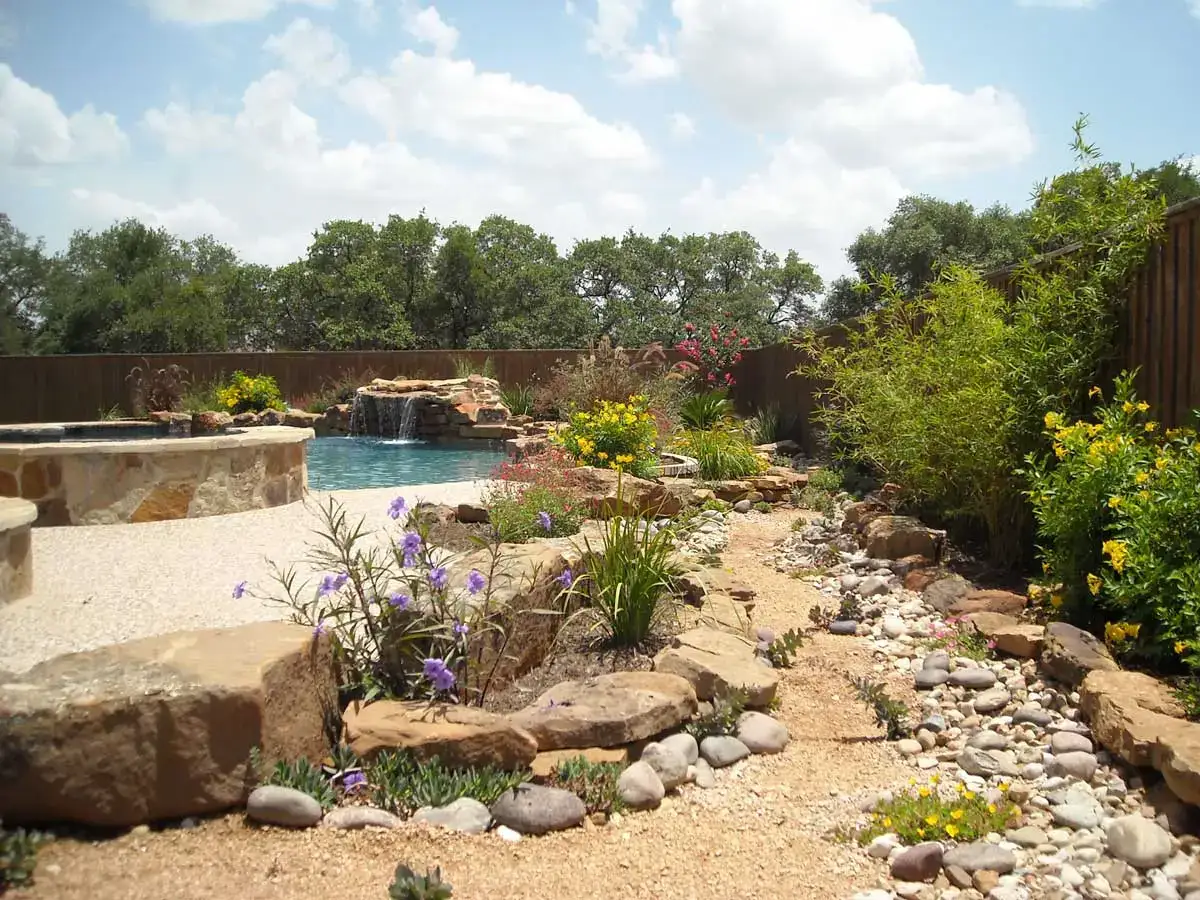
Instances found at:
x=608 y=373
x=250 y=393
x=1118 y=518
x=960 y=638
x=398 y=625
x=710 y=356
x=613 y=436
x=933 y=812
x=535 y=498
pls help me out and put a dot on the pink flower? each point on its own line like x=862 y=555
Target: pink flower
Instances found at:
x=745 y=342
x=689 y=327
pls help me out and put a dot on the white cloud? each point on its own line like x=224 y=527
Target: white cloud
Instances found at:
x=183 y=130
x=610 y=36
x=188 y=219
x=214 y=12
x=682 y=126
x=1194 y=7
x=35 y=132
x=310 y=52
x=427 y=26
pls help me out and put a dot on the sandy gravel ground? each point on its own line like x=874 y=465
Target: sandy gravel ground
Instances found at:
x=106 y=584
x=758 y=834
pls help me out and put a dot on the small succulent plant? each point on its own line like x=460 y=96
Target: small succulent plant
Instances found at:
x=408 y=885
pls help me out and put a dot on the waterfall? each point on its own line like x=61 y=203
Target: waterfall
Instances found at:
x=407 y=427
x=357 y=415
x=384 y=415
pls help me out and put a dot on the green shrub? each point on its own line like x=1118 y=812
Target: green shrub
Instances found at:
x=762 y=506
x=705 y=410
x=300 y=775
x=521 y=512
x=960 y=639
x=722 y=453
x=629 y=581
x=402 y=784
x=934 y=812
x=18 y=856
x=464 y=367
x=722 y=718
x=613 y=436
x=781 y=652
x=250 y=393
x=594 y=783
x=408 y=885
x=1118 y=518
x=202 y=397
x=518 y=398
x=892 y=714
x=763 y=427
x=826 y=479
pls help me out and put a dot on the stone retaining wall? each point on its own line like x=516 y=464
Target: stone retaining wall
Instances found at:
x=16 y=549
x=110 y=482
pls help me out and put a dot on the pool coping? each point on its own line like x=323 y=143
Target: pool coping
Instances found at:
x=249 y=437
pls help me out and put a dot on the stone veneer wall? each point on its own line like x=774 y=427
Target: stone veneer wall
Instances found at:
x=16 y=549
x=110 y=482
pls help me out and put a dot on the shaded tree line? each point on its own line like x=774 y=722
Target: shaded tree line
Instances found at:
x=409 y=283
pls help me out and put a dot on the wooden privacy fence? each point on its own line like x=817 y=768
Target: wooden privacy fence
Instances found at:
x=81 y=387
x=1160 y=337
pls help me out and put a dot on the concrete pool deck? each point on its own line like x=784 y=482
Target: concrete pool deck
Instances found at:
x=108 y=584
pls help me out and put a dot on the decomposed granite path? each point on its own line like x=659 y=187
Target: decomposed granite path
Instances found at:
x=757 y=834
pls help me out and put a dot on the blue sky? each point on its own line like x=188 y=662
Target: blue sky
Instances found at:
x=802 y=121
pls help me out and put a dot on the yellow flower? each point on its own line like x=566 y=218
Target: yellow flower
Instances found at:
x=1094 y=392
x=1059 y=450
x=935 y=779
x=1094 y=583
x=991 y=807
x=1056 y=600
x=1160 y=463
x=1117 y=552
x=1133 y=628
x=1052 y=420
x=1143 y=406
x=601 y=455
x=1035 y=591
x=969 y=795
x=957 y=814
x=1150 y=426
x=931 y=820
x=1003 y=786
x=1180 y=647
x=952 y=830
x=1128 y=408
x=1114 y=501
x=924 y=792
x=1141 y=477
x=887 y=823
x=1045 y=568
x=960 y=787
x=920 y=832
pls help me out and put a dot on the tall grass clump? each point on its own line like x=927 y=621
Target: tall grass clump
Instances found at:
x=722 y=453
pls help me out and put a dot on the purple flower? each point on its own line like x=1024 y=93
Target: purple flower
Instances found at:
x=438 y=578
x=332 y=583
x=460 y=628
x=239 y=589
x=353 y=781
x=475 y=581
x=397 y=508
x=400 y=601
x=545 y=521
x=566 y=579
x=321 y=629
x=438 y=674
x=411 y=545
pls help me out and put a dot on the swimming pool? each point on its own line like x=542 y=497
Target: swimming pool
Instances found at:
x=347 y=463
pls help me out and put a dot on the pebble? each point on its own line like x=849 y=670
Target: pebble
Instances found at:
x=930 y=678
x=973 y=678
x=920 y=863
x=352 y=817
x=683 y=744
x=668 y=763
x=639 y=786
x=761 y=733
x=705 y=778
x=465 y=814
x=992 y=701
x=843 y=627
x=273 y=804
x=1077 y=816
x=722 y=750
x=1076 y=764
x=1069 y=742
x=981 y=855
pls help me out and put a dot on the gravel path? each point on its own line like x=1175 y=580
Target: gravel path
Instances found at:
x=757 y=834
x=104 y=584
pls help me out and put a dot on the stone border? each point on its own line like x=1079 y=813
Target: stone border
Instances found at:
x=110 y=482
x=16 y=548
x=681 y=467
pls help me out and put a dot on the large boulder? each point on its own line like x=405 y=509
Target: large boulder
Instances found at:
x=857 y=516
x=608 y=710
x=1003 y=602
x=161 y=728
x=1069 y=654
x=717 y=662
x=1127 y=712
x=892 y=537
x=460 y=736
x=1016 y=638
x=609 y=493
x=943 y=593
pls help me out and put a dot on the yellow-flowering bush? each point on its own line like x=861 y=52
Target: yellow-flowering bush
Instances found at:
x=935 y=812
x=250 y=393
x=613 y=436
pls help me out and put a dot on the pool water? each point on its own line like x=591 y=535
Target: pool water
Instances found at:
x=346 y=463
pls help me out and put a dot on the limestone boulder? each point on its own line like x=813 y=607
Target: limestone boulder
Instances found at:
x=1069 y=654
x=547 y=761
x=211 y=422
x=1016 y=638
x=944 y=592
x=632 y=496
x=607 y=710
x=298 y=418
x=1177 y=755
x=893 y=537
x=716 y=662
x=460 y=736
x=161 y=728
x=1127 y=712
x=1003 y=602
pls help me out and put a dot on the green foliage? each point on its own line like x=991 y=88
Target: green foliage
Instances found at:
x=403 y=784
x=518 y=398
x=157 y=390
x=608 y=373
x=960 y=639
x=202 y=397
x=613 y=436
x=1118 y=520
x=337 y=390
x=250 y=393
x=722 y=718
x=722 y=453
x=812 y=497
x=594 y=783
x=763 y=427
x=111 y=414
x=705 y=410
x=629 y=581
x=515 y=509
x=934 y=812
x=944 y=394
x=762 y=506
x=408 y=885
x=300 y=775
x=826 y=479
x=465 y=366
x=781 y=652
x=893 y=715
x=1187 y=692
x=18 y=856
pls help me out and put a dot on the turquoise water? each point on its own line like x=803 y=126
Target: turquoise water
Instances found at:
x=345 y=463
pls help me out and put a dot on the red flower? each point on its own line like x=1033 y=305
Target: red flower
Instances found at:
x=689 y=327
x=711 y=377
x=712 y=351
x=737 y=357
x=745 y=342
x=725 y=342
x=728 y=378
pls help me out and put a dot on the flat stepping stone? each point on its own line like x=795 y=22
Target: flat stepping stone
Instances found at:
x=716 y=663
x=608 y=710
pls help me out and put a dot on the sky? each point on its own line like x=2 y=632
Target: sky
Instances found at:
x=800 y=121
